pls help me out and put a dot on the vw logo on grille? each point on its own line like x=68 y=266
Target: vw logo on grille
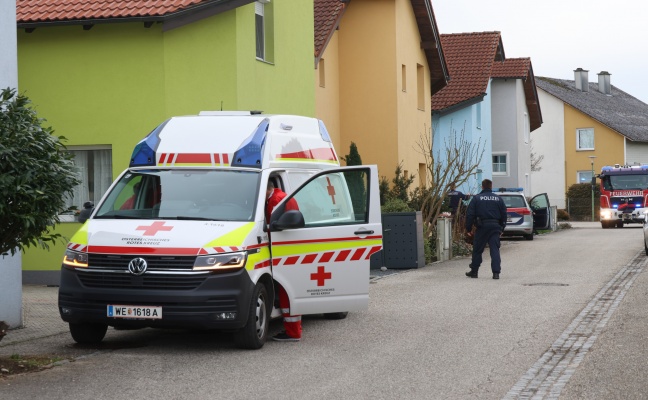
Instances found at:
x=137 y=266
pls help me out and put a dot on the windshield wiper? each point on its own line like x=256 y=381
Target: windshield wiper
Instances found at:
x=187 y=218
x=118 y=216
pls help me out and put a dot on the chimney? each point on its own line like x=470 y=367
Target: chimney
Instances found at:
x=604 y=85
x=581 y=80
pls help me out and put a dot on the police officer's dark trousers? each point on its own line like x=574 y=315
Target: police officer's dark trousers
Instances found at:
x=488 y=233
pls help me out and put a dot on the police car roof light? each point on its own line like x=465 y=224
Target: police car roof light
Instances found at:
x=250 y=152
x=518 y=189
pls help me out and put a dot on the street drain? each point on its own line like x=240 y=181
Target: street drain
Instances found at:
x=545 y=284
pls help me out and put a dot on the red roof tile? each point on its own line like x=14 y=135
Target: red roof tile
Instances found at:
x=327 y=18
x=511 y=68
x=470 y=58
x=65 y=10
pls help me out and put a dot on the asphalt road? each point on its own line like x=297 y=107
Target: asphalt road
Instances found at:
x=566 y=320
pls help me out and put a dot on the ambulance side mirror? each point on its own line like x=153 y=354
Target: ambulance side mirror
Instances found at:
x=291 y=219
x=88 y=206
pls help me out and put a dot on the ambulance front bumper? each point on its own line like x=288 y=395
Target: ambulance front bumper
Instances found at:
x=216 y=302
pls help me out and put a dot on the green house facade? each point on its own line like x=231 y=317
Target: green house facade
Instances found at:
x=104 y=82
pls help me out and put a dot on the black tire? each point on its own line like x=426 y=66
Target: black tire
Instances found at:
x=619 y=224
x=336 y=315
x=645 y=247
x=529 y=237
x=255 y=332
x=88 y=333
x=605 y=225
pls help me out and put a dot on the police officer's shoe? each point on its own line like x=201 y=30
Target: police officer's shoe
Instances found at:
x=495 y=276
x=471 y=274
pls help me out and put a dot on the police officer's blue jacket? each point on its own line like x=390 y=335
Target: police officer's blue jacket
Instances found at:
x=486 y=207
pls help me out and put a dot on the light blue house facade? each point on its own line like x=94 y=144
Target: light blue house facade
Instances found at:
x=470 y=123
x=491 y=105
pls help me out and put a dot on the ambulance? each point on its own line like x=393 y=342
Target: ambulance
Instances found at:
x=180 y=239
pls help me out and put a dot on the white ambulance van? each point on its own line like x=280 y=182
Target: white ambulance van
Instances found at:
x=180 y=238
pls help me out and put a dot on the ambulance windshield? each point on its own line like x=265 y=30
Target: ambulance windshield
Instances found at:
x=183 y=194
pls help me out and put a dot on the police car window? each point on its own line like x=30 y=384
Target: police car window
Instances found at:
x=513 y=201
x=334 y=199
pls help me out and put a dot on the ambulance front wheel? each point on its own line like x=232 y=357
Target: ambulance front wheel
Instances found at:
x=255 y=332
x=88 y=333
x=336 y=315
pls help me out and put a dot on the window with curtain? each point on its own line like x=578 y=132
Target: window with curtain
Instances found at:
x=585 y=139
x=94 y=169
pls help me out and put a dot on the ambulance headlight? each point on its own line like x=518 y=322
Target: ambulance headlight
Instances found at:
x=606 y=214
x=225 y=261
x=75 y=259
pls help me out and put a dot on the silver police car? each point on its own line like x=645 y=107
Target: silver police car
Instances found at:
x=524 y=218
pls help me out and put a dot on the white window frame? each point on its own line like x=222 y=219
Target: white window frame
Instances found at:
x=478 y=115
x=507 y=163
x=578 y=141
x=259 y=11
x=588 y=173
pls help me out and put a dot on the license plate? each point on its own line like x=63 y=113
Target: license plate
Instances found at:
x=134 y=312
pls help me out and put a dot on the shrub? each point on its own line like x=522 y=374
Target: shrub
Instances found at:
x=36 y=173
x=563 y=215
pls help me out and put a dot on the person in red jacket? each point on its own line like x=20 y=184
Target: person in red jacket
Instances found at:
x=292 y=323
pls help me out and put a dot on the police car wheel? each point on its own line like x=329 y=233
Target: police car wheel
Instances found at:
x=88 y=333
x=645 y=247
x=336 y=315
x=255 y=332
x=529 y=236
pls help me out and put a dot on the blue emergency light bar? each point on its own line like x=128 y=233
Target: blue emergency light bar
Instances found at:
x=250 y=152
x=518 y=189
x=144 y=152
x=617 y=168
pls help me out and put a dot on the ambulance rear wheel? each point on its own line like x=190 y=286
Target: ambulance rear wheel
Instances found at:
x=88 y=333
x=336 y=315
x=255 y=332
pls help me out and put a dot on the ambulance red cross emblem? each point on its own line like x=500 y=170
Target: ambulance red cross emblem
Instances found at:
x=321 y=276
x=154 y=228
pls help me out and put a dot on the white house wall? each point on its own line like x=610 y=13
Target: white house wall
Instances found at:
x=548 y=141
x=9 y=58
x=510 y=119
x=636 y=152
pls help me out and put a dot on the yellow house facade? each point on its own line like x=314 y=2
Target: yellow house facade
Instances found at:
x=374 y=81
x=608 y=147
x=587 y=125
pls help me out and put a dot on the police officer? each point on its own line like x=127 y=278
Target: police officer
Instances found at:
x=487 y=212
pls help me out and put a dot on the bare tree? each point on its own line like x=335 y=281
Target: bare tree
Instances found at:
x=536 y=159
x=451 y=165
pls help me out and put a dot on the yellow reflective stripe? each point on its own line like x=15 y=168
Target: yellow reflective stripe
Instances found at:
x=295 y=249
x=233 y=238
x=257 y=258
x=81 y=236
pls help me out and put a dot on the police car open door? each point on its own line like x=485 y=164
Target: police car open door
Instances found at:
x=541 y=211
x=321 y=253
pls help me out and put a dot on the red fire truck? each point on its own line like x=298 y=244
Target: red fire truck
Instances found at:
x=624 y=194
